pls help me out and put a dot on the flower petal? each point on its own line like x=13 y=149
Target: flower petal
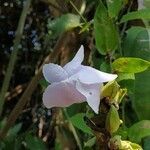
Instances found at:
x=92 y=94
x=90 y=75
x=74 y=65
x=61 y=95
x=54 y=73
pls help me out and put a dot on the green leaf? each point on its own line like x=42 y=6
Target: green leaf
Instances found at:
x=139 y=130
x=136 y=44
x=114 y=6
x=141 y=101
x=112 y=121
x=2 y=123
x=110 y=89
x=146 y=143
x=14 y=130
x=105 y=66
x=78 y=121
x=130 y=65
x=113 y=92
x=125 y=76
x=119 y=96
x=106 y=35
x=63 y=23
x=122 y=132
x=32 y=143
x=90 y=142
x=76 y=108
x=11 y=141
x=43 y=83
x=140 y=14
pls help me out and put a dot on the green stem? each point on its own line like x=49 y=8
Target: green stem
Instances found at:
x=13 y=56
x=73 y=130
x=123 y=112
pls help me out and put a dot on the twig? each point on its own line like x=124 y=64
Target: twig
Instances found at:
x=73 y=130
x=15 y=92
x=13 y=56
x=123 y=112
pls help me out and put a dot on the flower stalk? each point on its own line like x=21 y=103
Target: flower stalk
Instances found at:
x=14 y=53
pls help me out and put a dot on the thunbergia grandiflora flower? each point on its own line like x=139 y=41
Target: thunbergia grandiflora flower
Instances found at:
x=74 y=83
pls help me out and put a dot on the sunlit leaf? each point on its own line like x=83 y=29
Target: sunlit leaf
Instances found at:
x=110 y=89
x=125 y=76
x=119 y=96
x=130 y=65
x=136 y=44
x=113 y=93
x=130 y=146
x=112 y=121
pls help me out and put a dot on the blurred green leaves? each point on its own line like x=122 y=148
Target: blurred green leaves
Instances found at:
x=139 y=130
x=90 y=142
x=16 y=141
x=114 y=6
x=140 y=14
x=63 y=23
x=105 y=33
x=33 y=142
x=135 y=57
x=146 y=143
x=136 y=44
x=78 y=121
x=112 y=121
x=11 y=141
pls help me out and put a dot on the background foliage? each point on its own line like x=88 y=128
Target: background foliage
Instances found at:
x=115 y=34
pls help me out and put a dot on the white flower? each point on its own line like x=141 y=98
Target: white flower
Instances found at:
x=74 y=83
